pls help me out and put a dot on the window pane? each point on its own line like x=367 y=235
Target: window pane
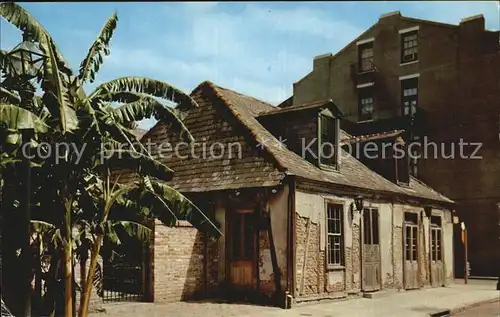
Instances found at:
x=407 y=243
x=414 y=243
x=375 y=226
x=366 y=226
x=248 y=236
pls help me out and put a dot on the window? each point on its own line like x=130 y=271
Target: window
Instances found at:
x=411 y=237
x=409 y=47
x=335 y=219
x=409 y=96
x=242 y=241
x=414 y=157
x=365 y=57
x=366 y=104
x=328 y=152
x=436 y=243
x=370 y=226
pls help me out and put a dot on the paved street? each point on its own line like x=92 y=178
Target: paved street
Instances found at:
x=418 y=303
x=484 y=310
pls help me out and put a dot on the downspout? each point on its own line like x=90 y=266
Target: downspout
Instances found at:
x=205 y=260
x=292 y=215
x=288 y=231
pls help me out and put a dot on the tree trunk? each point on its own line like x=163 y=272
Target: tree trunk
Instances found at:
x=68 y=267
x=87 y=288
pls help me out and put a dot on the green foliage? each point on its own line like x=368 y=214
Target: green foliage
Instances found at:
x=76 y=202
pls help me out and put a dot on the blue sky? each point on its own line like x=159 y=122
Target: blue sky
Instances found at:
x=256 y=48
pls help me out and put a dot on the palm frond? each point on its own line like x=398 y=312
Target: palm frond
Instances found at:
x=9 y=96
x=135 y=161
x=133 y=229
x=148 y=86
x=92 y=62
x=56 y=90
x=15 y=118
x=185 y=209
x=146 y=107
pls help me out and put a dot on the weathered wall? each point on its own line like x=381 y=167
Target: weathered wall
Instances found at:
x=278 y=204
x=314 y=280
x=178 y=262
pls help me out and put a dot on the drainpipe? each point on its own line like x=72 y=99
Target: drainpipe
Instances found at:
x=498 y=255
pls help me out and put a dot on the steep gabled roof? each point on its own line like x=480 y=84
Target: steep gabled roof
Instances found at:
x=352 y=172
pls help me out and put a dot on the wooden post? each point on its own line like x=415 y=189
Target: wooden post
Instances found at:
x=466 y=268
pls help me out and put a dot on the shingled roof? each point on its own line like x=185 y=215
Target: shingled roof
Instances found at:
x=258 y=170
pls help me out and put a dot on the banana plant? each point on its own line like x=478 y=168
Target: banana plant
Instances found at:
x=66 y=113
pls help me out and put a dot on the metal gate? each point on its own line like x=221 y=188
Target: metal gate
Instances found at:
x=125 y=270
x=371 y=250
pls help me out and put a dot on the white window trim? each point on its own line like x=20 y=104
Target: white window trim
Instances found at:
x=409 y=76
x=365 y=85
x=360 y=42
x=408 y=63
x=413 y=28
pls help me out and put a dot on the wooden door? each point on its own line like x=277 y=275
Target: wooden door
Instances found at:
x=371 y=250
x=437 y=267
x=241 y=249
x=411 y=274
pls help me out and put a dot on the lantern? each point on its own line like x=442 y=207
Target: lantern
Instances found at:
x=26 y=59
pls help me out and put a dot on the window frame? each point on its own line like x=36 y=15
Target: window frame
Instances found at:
x=366 y=93
x=374 y=235
x=370 y=59
x=404 y=40
x=340 y=262
x=335 y=134
x=436 y=243
x=407 y=84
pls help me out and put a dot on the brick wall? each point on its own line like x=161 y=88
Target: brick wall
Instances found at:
x=178 y=262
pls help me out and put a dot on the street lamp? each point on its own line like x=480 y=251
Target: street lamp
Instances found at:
x=26 y=59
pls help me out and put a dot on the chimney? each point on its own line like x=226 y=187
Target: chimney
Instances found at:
x=390 y=14
x=473 y=24
x=322 y=61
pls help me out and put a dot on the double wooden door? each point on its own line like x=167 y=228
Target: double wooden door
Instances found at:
x=411 y=245
x=371 y=250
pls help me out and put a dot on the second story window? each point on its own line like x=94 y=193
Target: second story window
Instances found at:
x=328 y=142
x=409 y=96
x=365 y=57
x=409 y=47
x=366 y=104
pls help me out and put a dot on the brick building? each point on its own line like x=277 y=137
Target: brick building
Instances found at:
x=435 y=81
x=313 y=226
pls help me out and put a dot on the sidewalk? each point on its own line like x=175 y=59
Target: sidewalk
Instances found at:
x=419 y=303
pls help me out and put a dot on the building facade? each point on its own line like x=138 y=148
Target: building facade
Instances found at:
x=296 y=227
x=440 y=83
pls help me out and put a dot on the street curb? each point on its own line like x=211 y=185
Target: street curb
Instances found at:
x=451 y=312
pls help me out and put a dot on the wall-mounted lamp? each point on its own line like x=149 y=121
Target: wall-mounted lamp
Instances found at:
x=358 y=202
x=428 y=211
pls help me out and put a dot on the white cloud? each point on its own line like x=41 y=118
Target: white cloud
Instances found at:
x=304 y=20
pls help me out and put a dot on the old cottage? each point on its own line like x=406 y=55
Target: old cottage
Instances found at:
x=308 y=225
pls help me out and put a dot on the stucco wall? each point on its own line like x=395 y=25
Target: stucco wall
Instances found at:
x=314 y=280
x=278 y=205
